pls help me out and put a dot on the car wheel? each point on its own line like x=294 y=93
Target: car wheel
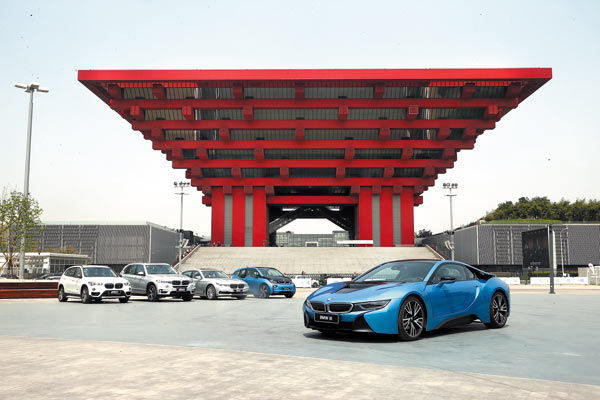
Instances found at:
x=211 y=293
x=124 y=299
x=62 y=297
x=289 y=295
x=85 y=295
x=152 y=293
x=241 y=297
x=187 y=297
x=315 y=284
x=498 y=311
x=263 y=291
x=412 y=319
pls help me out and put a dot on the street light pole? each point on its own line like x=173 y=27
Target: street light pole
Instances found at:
x=451 y=186
x=180 y=185
x=31 y=88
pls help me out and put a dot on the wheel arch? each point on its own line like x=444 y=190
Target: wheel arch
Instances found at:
x=423 y=302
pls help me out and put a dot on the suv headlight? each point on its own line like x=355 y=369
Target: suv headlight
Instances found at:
x=95 y=283
x=163 y=281
x=370 y=305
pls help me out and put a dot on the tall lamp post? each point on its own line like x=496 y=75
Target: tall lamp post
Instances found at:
x=31 y=88
x=180 y=185
x=450 y=195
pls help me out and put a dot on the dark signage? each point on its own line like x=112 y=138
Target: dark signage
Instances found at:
x=535 y=249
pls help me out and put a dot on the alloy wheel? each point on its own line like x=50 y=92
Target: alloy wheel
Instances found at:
x=412 y=319
x=499 y=309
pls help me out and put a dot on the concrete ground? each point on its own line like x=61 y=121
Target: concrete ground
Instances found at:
x=257 y=348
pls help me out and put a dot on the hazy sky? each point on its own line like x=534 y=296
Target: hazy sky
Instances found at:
x=88 y=165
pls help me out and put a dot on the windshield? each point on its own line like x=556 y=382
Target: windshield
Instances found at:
x=159 y=269
x=270 y=272
x=397 y=271
x=214 y=274
x=98 y=272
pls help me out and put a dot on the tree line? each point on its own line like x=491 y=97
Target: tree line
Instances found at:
x=542 y=208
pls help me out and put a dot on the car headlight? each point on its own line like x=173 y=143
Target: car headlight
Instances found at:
x=95 y=283
x=126 y=283
x=307 y=304
x=370 y=305
x=163 y=281
x=274 y=286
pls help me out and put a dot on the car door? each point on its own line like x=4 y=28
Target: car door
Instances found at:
x=67 y=280
x=128 y=273
x=77 y=280
x=452 y=296
x=201 y=283
x=253 y=279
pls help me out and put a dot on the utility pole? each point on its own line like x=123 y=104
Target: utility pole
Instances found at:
x=450 y=195
x=31 y=88
x=180 y=185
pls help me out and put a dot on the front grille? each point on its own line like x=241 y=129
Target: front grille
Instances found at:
x=175 y=283
x=236 y=286
x=340 y=307
x=109 y=285
x=185 y=283
x=317 y=306
x=118 y=285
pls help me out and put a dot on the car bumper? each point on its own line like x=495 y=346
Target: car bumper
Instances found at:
x=283 y=289
x=111 y=293
x=384 y=320
x=232 y=292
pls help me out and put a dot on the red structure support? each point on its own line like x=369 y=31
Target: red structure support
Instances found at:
x=238 y=217
x=358 y=147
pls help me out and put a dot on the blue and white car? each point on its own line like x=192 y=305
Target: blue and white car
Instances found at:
x=264 y=281
x=407 y=298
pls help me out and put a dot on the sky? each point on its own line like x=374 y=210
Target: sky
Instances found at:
x=88 y=165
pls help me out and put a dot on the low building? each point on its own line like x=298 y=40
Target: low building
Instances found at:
x=499 y=248
x=111 y=243
x=291 y=239
x=38 y=264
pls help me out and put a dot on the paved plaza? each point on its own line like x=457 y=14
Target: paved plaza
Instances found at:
x=260 y=349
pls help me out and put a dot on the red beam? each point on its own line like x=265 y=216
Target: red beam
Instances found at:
x=443 y=133
x=379 y=91
x=412 y=112
x=159 y=91
x=313 y=163
x=467 y=91
x=210 y=104
x=312 y=200
x=313 y=124
x=313 y=144
x=312 y=182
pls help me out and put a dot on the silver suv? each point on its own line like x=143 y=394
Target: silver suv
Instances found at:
x=158 y=280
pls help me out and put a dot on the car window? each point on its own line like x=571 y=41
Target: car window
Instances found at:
x=469 y=274
x=77 y=273
x=125 y=270
x=241 y=273
x=188 y=273
x=252 y=273
x=68 y=272
x=455 y=271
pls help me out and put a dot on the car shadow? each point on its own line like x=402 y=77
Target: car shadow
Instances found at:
x=367 y=337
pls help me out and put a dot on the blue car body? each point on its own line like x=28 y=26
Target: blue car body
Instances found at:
x=256 y=278
x=446 y=303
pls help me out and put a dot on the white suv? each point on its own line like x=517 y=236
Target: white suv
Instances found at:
x=157 y=281
x=92 y=282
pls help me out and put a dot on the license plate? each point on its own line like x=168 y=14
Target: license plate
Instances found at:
x=114 y=292
x=328 y=318
x=286 y=288
x=181 y=289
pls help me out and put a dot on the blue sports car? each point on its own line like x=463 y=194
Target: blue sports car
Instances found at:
x=409 y=297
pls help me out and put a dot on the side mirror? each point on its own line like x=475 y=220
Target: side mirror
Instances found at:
x=447 y=279
x=141 y=273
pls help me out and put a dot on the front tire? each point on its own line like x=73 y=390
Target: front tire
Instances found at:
x=152 y=293
x=412 y=319
x=211 y=293
x=124 y=299
x=85 y=295
x=188 y=297
x=263 y=291
x=62 y=297
x=498 y=311
x=315 y=285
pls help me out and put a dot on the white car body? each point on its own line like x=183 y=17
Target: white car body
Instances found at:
x=338 y=279
x=204 y=279
x=305 y=281
x=75 y=283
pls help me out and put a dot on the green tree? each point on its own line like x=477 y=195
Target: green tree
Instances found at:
x=19 y=219
x=423 y=233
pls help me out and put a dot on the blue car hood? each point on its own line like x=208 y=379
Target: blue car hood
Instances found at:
x=356 y=292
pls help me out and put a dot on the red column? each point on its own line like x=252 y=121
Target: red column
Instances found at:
x=259 y=217
x=407 y=212
x=386 y=217
x=365 y=214
x=238 y=212
x=218 y=216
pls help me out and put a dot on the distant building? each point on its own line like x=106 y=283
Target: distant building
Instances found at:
x=291 y=239
x=111 y=243
x=37 y=264
x=498 y=247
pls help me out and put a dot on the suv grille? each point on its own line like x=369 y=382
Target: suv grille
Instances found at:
x=176 y=283
x=340 y=307
x=185 y=283
x=317 y=306
x=109 y=285
x=118 y=285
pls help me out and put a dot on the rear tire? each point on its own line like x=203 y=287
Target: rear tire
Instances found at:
x=211 y=293
x=62 y=297
x=315 y=284
x=412 y=319
x=85 y=295
x=498 y=311
x=124 y=299
x=152 y=293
